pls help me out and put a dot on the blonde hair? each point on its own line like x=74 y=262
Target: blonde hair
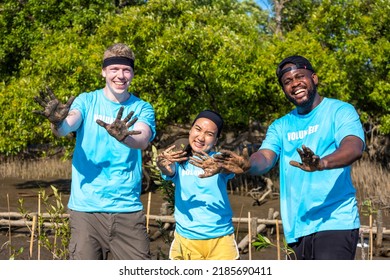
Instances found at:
x=119 y=49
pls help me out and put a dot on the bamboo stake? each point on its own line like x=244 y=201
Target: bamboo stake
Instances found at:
x=54 y=244
x=379 y=232
x=39 y=228
x=362 y=243
x=239 y=220
x=277 y=238
x=249 y=236
x=371 y=238
x=148 y=211
x=32 y=234
x=270 y=216
x=9 y=227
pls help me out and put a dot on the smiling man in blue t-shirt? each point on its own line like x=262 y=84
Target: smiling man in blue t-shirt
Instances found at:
x=106 y=212
x=315 y=144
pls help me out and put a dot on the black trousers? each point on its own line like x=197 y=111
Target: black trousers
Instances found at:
x=326 y=245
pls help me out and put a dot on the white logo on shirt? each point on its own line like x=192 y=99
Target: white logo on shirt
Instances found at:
x=106 y=119
x=191 y=172
x=291 y=136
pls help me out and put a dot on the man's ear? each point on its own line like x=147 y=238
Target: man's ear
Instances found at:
x=103 y=73
x=315 y=78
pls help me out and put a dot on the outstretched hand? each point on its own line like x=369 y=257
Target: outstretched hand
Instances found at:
x=232 y=162
x=310 y=161
x=168 y=157
x=119 y=129
x=53 y=109
x=207 y=163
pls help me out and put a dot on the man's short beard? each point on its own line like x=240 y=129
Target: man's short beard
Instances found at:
x=309 y=102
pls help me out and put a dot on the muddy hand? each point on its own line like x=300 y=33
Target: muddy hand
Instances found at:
x=207 y=163
x=119 y=129
x=310 y=161
x=232 y=162
x=53 y=109
x=170 y=156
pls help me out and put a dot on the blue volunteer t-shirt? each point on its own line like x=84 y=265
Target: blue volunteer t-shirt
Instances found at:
x=106 y=174
x=321 y=200
x=202 y=207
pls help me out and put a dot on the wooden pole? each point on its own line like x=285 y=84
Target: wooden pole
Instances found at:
x=371 y=238
x=39 y=228
x=32 y=235
x=55 y=243
x=9 y=227
x=148 y=211
x=249 y=236
x=270 y=217
x=362 y=243
x=379 y=232
x=277 y=238
x=239 y=220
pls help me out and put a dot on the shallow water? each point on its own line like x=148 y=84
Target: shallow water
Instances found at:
x=13 y=189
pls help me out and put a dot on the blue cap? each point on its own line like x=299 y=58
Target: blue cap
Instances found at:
x=212 y=116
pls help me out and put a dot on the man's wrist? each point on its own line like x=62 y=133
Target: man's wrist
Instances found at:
x=322 y=165
x=56 y=125
x=123 y=140
x=247 y=167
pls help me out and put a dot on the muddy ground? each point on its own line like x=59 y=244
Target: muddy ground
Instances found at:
x=11 y=190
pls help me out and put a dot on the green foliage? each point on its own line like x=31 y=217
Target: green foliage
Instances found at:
x=14 y=253
x=56 y=237
x=368 y=208
x=165 y=234
x=44 y=44
x=24 y=25
x=190 y=55
x=167 y=188
x=60 y=225
x=357 y=35
x=263 y=242
x=297 y=12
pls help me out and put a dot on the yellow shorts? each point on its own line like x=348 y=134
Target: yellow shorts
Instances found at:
x=221 y=248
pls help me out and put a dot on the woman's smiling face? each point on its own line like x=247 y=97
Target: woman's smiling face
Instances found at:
x=203 y=135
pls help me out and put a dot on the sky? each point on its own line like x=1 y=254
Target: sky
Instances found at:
x=263 y=4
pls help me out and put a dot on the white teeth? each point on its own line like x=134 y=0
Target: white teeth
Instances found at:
x=299 y=91
x=199 y=145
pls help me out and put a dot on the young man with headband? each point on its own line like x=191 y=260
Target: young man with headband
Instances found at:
x=106 y=213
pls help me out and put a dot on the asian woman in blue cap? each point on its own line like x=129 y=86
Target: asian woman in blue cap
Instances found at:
x=204 y=228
